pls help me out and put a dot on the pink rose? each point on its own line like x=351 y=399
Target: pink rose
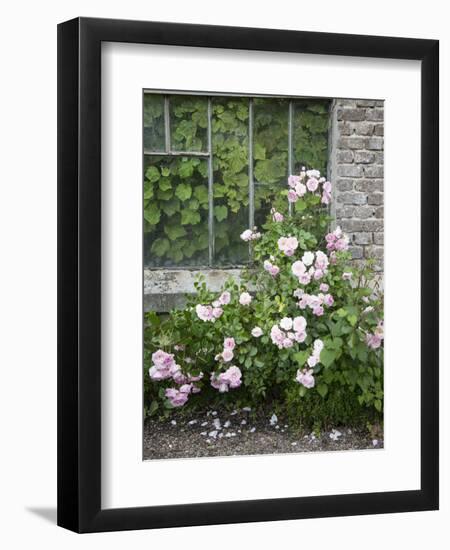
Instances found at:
x=245 y=299
x=293 y=180
x=298 y=268
x=225 y=298
x=217 y=312
x=257 y=332
x=318 y=311
x=229 y=343
x=328 y=300
x=312 y=184
x=286 y=323
x=227 y=355
x=306 y=378
x=292 y=196
x=346 y=276
x=300 y=189
x=299 y=324
x=324 y=287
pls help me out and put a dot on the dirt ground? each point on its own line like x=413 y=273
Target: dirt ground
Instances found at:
x=243 y=432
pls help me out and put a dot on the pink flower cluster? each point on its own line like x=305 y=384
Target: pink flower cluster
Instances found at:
x=336 y=240
x=375 y=339
x=314 y=302
x=288 y=331
x=308 y=181
x=163 y=368
x=178 y=397
x=164 y=365
x=227 y=353
x=288 y=245
x=276 y=216
x=271 y=268
x=305 y=376
x=213 y=311
x=231 y=378
x=250 y=235
x=316 y=271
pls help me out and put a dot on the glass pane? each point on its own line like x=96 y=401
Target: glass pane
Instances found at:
x=310 y=135
x=189 y=123
x=270 y=152
x=231 y=191
x=154 y=122
x=175 y=211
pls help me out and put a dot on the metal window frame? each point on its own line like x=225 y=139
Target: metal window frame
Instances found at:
x=208 y=154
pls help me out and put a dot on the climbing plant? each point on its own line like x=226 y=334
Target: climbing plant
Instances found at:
x=176 y=200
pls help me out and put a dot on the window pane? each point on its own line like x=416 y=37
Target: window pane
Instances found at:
x=189 y=123
x=175 y=211
x=231 y=191
x=310 y=136
x=154 y=122
x=270 y=152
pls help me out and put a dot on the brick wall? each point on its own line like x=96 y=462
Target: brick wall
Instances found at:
x=356 y=159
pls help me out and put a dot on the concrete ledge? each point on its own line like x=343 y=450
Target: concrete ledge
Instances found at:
x=166 y=289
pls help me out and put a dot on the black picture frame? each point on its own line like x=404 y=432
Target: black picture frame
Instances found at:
x=79 y=274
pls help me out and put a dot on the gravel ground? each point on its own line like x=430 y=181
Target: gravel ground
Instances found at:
x=242 y=432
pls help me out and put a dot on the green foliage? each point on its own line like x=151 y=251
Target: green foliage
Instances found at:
x=349 y=375
x=170 y=184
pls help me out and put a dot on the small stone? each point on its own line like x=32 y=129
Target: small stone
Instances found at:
x=220 y=435
x=203 y=433
x=252 y=430
x=277 y=427
x=227 y=424
x=294 y=444
x=247 y=409
x=273 y=420
x=204 y=424
x=213 y=434
x=208 y=441
x=233 y=413
x=192 y=422
x=214 y=413
x=244 y=422
x=217 y=424
x=375 y=442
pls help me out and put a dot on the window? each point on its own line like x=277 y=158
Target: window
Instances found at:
x=211 y=167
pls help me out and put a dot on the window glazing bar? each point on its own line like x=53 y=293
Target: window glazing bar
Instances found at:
x=210 y=186
x=167 y=123
x=176 y=153
x=251 y=185
x=290 y=142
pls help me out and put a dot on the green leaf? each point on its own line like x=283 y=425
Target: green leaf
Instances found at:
x=183 y=191
x=170 y=207
x=378 y=405
x=201 y=193
x=322 y=389
x=186 y=169
x=152 y=174
x=327 y=356
x=221 y=213
x=352 y=319
x=189 y=217
x=153 y=408
x=301 y=357
x=259 y=152
x=165 y=184
x=174 y=232
x=300 y=205
x=148 y=190
x=160 y=246
x=152 y=214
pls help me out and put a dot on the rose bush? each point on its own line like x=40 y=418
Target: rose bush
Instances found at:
x=302 y=329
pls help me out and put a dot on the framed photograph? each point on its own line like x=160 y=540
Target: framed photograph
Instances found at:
x=248 y=275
